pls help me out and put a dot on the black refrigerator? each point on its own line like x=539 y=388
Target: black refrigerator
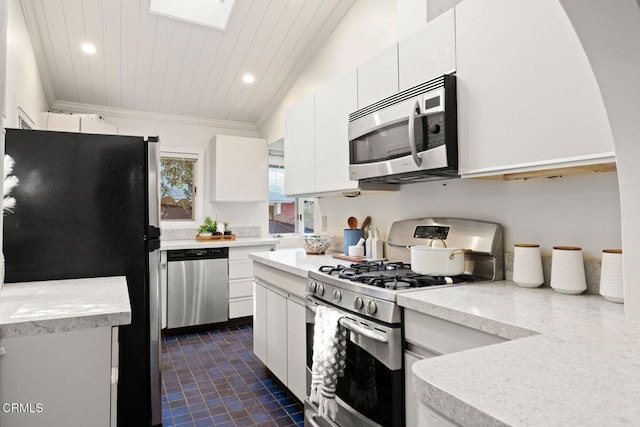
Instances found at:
x=88 y=206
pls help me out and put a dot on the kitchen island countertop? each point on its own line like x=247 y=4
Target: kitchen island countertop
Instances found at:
x=574 y=359
x=34 y=308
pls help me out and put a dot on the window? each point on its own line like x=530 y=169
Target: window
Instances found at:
x=286 y=214
x=177 y=188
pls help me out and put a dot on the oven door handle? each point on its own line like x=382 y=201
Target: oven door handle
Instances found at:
x=355 y=328
x=311 y=417
x=415 y=111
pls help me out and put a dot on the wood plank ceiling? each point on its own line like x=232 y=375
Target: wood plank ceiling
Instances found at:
x=155 y=64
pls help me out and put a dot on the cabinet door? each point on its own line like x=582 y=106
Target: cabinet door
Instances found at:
x=68 y=374
x=260 y=321
x=296 y=351
x=299 y=162
x=62 y=122
x=378 y=77
x=429 y=53
x=88 y=125
x=240 y=169
x=333 y=103
x=410 y=398
x=527 y=98
x=277 y=330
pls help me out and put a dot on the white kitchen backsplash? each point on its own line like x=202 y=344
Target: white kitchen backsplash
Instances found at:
x=190 y=233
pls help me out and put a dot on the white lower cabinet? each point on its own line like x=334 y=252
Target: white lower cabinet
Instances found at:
x=60 y=379
x=260 y=321
x=279 y=328
x=425 y=337
x=277 y=334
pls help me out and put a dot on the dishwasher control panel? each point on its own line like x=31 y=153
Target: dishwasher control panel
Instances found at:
x=200 y=253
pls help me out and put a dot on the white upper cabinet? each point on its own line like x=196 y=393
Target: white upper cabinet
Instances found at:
x=299 y=161
x=527 y=98
x=378 y=77
x=61 y=122
x=93 y=125
x=428 y=53
x=333 y=103
x=83 y=123
x=239 y=169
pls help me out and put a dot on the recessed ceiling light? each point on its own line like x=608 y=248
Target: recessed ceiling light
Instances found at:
x=248 y=78
x=88 y=48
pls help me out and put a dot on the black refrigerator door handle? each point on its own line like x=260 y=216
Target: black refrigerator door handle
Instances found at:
x=153 y=232
x=153 y=245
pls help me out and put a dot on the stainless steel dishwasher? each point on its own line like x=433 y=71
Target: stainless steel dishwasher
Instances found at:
x=197 y=286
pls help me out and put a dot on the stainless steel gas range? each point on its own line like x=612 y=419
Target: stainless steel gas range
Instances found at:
x=365 y=294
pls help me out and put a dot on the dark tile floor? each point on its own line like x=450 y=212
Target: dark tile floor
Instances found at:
x=213 y=379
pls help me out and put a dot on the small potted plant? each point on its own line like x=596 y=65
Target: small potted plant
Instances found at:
x=208 y=228
x=227 y=232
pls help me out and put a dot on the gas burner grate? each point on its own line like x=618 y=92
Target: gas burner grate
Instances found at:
x=390 y=275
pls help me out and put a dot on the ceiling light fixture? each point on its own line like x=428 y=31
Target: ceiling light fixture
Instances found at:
x=210 y=13
x=248 y=78
x=88 y=48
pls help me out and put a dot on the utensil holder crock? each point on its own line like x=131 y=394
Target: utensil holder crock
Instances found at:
x=567 y=270
x=527 y=265
x=611 y=281
x=351 y=237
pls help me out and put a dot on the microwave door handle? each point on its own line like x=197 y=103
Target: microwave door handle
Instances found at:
x=415 y=111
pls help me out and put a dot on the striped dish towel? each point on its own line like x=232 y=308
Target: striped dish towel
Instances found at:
x=329 y=353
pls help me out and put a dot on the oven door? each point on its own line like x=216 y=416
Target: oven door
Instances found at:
x=371 y=392
x=405 y=137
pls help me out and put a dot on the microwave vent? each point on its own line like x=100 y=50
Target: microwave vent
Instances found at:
x=398 y=97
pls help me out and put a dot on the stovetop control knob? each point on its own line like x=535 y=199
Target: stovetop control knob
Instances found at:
x=312 y=287
x=320 y=289
x=371 y=307
x=337 y=295
x=358 y=303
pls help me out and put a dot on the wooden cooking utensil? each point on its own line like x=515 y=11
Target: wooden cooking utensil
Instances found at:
x=365 y=223
x=353 y=222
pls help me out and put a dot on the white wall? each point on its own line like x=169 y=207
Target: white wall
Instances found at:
x=367 y=28
x=23 y=83
x=191 y=136
x=580 y=210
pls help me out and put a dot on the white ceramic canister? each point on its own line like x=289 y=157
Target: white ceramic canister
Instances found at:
x=567 y=270
x=527 y=265
x=611 y=285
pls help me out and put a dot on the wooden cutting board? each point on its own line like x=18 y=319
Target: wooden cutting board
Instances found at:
x=357 y=258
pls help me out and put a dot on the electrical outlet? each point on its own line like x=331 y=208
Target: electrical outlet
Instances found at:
x=324 y=223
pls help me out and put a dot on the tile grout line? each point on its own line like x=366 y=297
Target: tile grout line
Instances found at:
x=220 y=363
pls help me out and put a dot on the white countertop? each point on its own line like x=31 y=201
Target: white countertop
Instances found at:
x=574 y=359
x=296 y=261
x=167 y=245
x=33 y=308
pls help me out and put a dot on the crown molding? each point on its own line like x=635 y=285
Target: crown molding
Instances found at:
x=74 y=107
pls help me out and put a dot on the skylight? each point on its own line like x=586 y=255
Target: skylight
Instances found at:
x=210 y=13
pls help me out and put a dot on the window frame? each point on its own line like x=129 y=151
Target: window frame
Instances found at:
x=198 y=194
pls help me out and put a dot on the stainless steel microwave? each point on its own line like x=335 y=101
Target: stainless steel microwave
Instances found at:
x=409 y=137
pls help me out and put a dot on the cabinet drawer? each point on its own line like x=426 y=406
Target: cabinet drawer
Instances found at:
x=241 y=307
x=240 y=269
x=241 y=288
x=442 y=336
x=242 y=252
